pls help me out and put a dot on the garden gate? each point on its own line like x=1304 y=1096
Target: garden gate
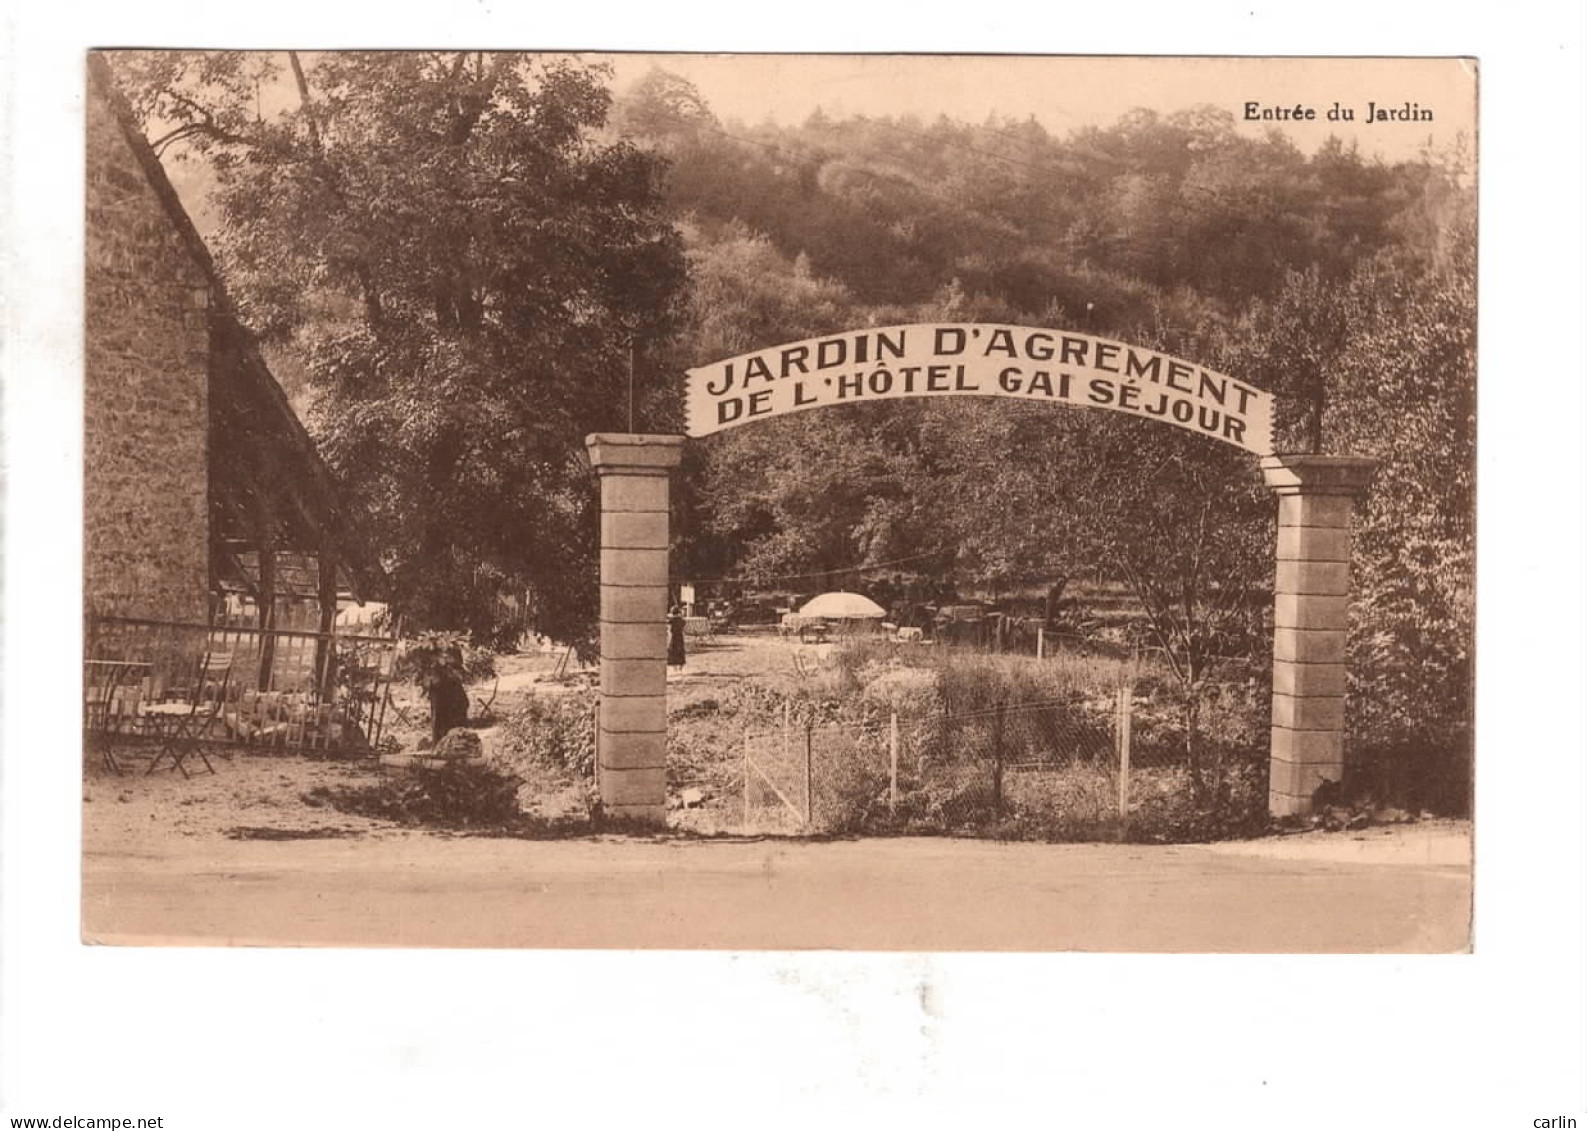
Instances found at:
x=1316 y=496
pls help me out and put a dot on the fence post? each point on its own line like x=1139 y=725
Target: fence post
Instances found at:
x=997 y=759
x=1126 y=703
x=1041 y=642
x=267 y=617
x=892 y=762
x=948 y=734
x=810 y=796
x=746 y=777
x=325 y=642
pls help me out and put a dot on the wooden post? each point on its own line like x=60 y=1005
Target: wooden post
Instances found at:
x=267 y=614
x=746 y=777
x=892 y=762
x=997 y=759
x=325 y=643
x=1041 y=642
x=1126 y=703
x=810 y=793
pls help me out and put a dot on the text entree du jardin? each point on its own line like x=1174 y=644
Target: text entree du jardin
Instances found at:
x=976 y=360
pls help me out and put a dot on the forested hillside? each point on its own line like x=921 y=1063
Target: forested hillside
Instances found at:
x=1153 y=219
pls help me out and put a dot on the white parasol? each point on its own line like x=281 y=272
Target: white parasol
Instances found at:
x=842 y=606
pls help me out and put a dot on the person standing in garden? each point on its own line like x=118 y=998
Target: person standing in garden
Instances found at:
x=675 y=637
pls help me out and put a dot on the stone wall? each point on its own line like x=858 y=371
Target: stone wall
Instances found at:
x=146 y=397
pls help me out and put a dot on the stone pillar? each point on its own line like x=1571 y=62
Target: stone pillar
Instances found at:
x=1316 y=501
x=631 y=738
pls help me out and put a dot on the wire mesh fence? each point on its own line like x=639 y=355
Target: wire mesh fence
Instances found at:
x=1056 y=760
x=779 y=776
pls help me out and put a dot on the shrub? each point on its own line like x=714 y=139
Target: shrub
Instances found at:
x=457 y=795
x=911 y=692
x=852 y=797
x=857 y=660
x=433 y=656
x=951 y=800
x=553 y=731
x=1165 y=810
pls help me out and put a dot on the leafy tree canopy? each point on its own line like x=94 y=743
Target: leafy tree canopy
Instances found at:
x=463 y=268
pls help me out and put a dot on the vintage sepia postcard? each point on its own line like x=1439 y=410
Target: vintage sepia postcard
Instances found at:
x=779 y=502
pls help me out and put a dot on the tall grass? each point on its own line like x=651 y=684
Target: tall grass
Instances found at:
x=972 y=680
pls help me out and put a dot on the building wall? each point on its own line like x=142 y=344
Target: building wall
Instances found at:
x=146 y=397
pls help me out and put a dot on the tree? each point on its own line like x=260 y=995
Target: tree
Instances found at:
x=1032 y=493
x=467 y=275
x=791 y=496
x=663 y=109
x=1405 y=392
x=1291 y=344
x=1188 y=525
x=1392 y=349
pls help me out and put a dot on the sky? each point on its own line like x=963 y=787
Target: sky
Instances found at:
x=1063 y=93
x=1067 y=92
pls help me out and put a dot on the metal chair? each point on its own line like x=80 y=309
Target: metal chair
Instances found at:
x=110 y=696
x=184 y=722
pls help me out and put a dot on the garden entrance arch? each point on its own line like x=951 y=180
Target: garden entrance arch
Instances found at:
x=1316 y=496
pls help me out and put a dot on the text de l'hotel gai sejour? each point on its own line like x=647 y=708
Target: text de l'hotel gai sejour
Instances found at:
x=976 y=359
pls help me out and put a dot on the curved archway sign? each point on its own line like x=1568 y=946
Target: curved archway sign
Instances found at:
x=980 y=360
x=1316 y=503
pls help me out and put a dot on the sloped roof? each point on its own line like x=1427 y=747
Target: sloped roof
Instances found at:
x=296 y=575
x=259 y=449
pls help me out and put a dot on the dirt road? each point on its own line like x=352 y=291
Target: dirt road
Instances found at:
x=1402 y=889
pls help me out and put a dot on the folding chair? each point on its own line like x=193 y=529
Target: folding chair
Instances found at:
x=184 y=723
x=108 y=686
